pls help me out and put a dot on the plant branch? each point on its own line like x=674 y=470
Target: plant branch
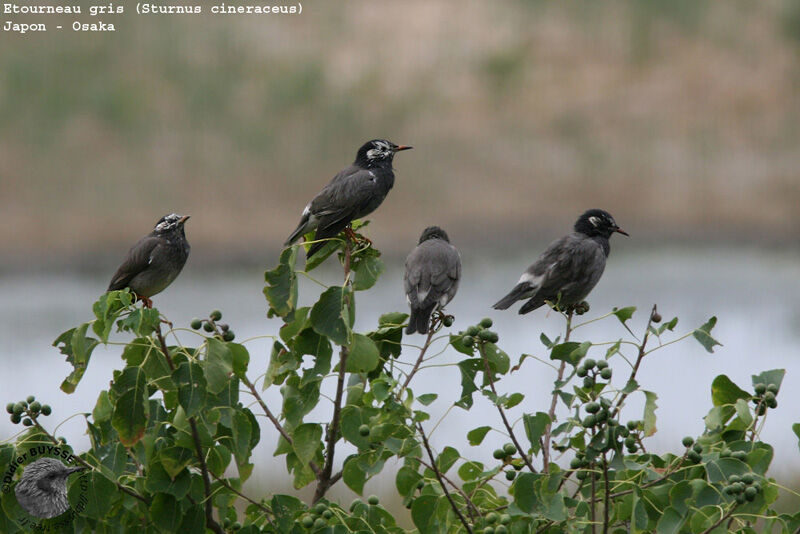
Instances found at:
x=414 y=370
x=441 y=481
x=640 y=356
x=606 y=498
x=510 y=430
x=209 y=504
x=553 y=402
x=469 y=502
x=243 y=496
x=721 y=519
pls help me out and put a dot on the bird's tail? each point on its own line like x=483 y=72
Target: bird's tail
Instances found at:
x=420 y=320
x=520 y=291
x=531 y=305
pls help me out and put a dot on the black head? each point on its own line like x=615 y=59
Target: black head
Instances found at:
x=597 y=222
x=378 y=152
x=433 y=232
x=170 y=223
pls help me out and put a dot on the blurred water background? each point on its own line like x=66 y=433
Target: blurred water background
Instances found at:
x=680 y=117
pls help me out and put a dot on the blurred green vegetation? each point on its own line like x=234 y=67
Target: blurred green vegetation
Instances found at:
x=679 y=116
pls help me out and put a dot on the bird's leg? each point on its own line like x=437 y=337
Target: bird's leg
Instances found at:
x=351 y=235
x=581 y=308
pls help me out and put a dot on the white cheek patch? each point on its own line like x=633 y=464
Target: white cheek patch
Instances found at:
x=374 y=153
x=594 y=220
x=307 y=210
x=528 y=278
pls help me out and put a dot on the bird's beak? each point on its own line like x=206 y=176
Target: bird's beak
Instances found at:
x=398 y=148
x=76 y=469
x=621 y=231
x=183 y=219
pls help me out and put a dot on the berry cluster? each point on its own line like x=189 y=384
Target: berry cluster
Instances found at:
x=744 y=487
x=506 y=454
x=318 y=516
x=765 y=397
x=479 y=333
x=497 y=523
x=228 y=523
x=589 y=370
x=30 y=407
x=212 y=324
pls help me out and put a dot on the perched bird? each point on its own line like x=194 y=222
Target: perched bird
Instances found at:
x=155 y=261
x=570 y=267
x=433 y=270
x=353 y=193
x=42 y=489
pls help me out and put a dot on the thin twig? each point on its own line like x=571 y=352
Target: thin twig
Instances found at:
x=639 y=358
x=419 y=361
x=510 y=430
x=441 y=482
x=721 y=519
x=470 y=504
x=209 y=505
x=553 y=402
x=606 y=498
x=243 y=496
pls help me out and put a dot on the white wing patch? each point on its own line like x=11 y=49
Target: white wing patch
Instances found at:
x=530 y=279
x=421 y=295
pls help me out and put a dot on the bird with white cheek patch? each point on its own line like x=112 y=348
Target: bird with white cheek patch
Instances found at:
x=569 y=268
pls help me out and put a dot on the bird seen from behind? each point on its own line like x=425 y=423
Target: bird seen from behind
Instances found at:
x=155 y=260
x=352 y=194
x=569 y=268
x=432 y=274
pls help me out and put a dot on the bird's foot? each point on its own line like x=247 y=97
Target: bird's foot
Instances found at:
x=167 y=322
x=146 y=302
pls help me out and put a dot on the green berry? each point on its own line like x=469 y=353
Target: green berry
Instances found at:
x=355 y=503
x=373 y=500
x=215 y=315
x=226 y=522
x=307 y=521
x=632 y=425
x=18 y=408
x=580 y=475
x=468 y=340
x=760 y=388
x=694 y=457
x=364 y=430
x=16 y=418
x=601 y=416
x=473 y=331
x=208 y=327
x=511 y=475
x=602 y=364
x=757 y=486
x=499 y=454
x=592 y=407
x=750 y=493
x=656 y=317
x=224 y=327
x=327 y=514
x=509 y=448
x=589 y=363
x=488 y=530
x=748 y=478
x=236 y=525
x=10 y=407
x=486 y=322
x=740 y=498
x=589 y=421
x=320 y=507
x=575 y=463
x=773 y=388
x=733 y=479
x=697 y=448
x=448 y=320
x=581 y=371
x=725 y=453
x=485 y=335
x=36 y=406
x=605 y=374
x=588 y=382
x=27 y=422
x=632 y=450
x=196 y=323
x=319 y=522
x=630 y=441
x=505 y=519
x=739 y=455
x=688 y=441
x=500 y=529
x=229 y=336
x=492 y=518
x=773 y=403
x=30 y=399
x=769 y=396
x=494 y=338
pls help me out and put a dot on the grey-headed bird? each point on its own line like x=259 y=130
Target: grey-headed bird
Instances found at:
x=155 y=260
x=353 y=193
x=569 y=268
x=433 y=270
x=42 y=489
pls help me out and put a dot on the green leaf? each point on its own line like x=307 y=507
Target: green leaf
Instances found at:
x=427 y=398
x=446 y=459
x=468 y=369
x=743 y=411
x=423 y=514
x=796 y=430
x=725 y=392
x=623 y=314
x=98 y=497
x=570 y=352
x=362 y=356
x=306 y=439
x=767 y=378
x=323 y=254
x=406 y=481
x=281 y=288
x=165 y=512
x=241 y=359
x=476 y=435
x=650 y=413
x=218 y=365
x=457 y=342
x=191 y=387
x=353 y=475
x=670 y=522
x=366 y=272
x=78 y=347
x=131 y=408
x=535 y=426
x=703 y=335
x=330 y=316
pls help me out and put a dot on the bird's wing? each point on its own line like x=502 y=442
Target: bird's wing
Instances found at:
x=345 y=196
x=433 y=270
x=137 y=260
x=566 y=261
